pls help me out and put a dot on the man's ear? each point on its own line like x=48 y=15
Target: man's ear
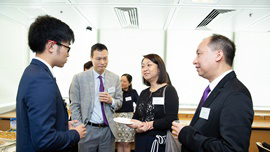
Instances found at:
x=219 y=55
x=50 y=46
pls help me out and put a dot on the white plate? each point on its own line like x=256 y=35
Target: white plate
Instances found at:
x=123 y=120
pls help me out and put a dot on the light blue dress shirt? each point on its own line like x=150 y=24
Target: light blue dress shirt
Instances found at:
x=96 y=116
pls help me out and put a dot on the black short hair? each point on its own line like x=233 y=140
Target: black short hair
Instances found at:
x=163 y=76
x=220 y=42
x=87 y=65
x=48 y=28
x=129 y=78
x=98 y=47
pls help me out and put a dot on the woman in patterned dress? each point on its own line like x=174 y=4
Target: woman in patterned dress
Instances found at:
x=130 y=96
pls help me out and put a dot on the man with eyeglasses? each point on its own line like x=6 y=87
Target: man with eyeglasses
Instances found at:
x=42 y=118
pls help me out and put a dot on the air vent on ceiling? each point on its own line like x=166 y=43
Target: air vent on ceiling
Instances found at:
x=128 y=17
x=212 y=15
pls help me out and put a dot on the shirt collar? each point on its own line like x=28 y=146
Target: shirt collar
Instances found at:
x=214 y=83
x=96 y=74
x=46 y=63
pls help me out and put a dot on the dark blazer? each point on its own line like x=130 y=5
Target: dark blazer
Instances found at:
x=42 y=118
x=228 y=127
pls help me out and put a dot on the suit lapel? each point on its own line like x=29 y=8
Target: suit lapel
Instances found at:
x=106 y=86
x=91 y=84
x=107 y=81
x=220 y=86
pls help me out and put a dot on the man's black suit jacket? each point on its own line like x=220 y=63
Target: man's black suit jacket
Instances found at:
x=228 y=127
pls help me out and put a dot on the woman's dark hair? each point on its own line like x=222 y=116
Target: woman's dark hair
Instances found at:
x=47 y=28
x=87 y=65
x=129 y=78
x=163 y=76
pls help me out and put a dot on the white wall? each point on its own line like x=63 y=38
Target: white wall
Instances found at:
x=126 y=49
x=252 y=65
x=181 y=51
x=13 y=58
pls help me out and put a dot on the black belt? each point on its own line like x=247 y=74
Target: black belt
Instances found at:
x=97 y=125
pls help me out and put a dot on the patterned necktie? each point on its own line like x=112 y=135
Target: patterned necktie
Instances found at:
x=101 y=89
x=205 y=94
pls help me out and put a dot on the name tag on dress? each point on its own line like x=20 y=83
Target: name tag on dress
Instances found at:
x=205 y=113
x=128 y=98
x=158 y=100
x=111 y=90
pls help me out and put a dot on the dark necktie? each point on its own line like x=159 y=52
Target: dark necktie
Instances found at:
x=205 y=94
x=101 y=89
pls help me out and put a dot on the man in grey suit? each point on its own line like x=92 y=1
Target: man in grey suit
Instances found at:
x=95 y=94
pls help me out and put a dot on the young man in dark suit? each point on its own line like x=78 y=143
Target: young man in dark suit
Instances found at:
x=223 y=119
x=42 y=118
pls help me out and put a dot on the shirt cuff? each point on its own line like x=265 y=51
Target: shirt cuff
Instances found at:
x=113 y=103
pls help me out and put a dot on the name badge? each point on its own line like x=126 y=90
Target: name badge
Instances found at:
x=128 y=98
x=110 y=90
x=158 y=100
x=204 y=113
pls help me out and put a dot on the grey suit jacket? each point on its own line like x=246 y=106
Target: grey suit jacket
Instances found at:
x=82 y=96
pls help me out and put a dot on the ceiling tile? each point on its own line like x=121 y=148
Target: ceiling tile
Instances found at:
x=68 y=15
x=153 y=17
x=157 y=1
x=123 y=1
x=90 y=1
x=218 y=22
x=198 y=3
x=101 y=16
x=16 y=15
x=260 y=25
x=261 y=2
x=32 y=1
x=189 y=18
x=242 y=20
x=33 y=12
x=235 y=2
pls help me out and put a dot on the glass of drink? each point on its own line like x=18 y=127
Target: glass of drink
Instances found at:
x=183 y=123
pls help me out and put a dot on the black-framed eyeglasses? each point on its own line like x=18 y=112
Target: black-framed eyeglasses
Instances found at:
x=61 y=45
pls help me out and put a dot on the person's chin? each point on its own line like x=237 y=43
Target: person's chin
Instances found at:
x=102 y=69
x=147 y=78
x=61 y=65
x=199 y=71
